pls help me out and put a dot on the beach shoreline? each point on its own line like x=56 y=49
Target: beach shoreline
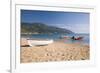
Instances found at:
x=56 y=51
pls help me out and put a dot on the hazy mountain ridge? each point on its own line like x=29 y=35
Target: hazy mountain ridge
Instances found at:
x=41 y=28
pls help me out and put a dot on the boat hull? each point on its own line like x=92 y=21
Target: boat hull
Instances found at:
x=39 y=42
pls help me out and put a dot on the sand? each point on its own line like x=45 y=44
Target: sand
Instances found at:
x=57 y=51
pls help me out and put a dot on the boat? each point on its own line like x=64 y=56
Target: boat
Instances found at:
x=33 y=42
x=78 y=38
x=73 y=38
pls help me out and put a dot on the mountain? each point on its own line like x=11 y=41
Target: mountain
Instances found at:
x=41 y=28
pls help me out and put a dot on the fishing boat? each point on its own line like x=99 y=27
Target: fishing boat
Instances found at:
x=76 y=38
x=73 y=38
x=33 y=42
x=79 y=38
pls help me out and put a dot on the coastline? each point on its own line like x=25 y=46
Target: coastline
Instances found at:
x=56 y=51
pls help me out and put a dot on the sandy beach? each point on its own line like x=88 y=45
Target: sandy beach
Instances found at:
x=57 y=51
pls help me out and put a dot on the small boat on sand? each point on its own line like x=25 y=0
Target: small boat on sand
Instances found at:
x=78 y=38
x=73 y=37
x=39 y=42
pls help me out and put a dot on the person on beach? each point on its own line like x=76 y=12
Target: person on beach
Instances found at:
x=73 y=38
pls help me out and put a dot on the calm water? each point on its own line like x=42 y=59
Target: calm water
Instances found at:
x=85 y=39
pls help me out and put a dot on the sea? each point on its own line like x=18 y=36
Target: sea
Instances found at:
x=85 y=40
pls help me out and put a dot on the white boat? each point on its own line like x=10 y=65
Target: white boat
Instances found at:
x=39 y=42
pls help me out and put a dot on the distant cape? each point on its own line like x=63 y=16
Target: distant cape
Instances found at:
x=40 y=28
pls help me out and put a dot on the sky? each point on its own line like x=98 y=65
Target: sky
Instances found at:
x=77 y=22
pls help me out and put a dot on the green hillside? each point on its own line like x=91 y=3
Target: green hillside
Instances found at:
x=41 y=28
